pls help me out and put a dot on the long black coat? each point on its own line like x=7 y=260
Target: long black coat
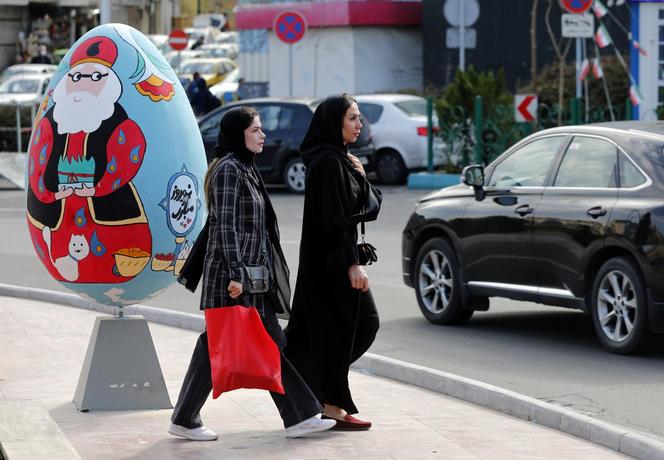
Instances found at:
x=331 y=323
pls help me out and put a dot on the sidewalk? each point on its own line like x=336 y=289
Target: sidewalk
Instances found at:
x=43 y=346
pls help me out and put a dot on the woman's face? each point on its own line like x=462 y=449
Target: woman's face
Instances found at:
x=352 y=124
x=254 y=138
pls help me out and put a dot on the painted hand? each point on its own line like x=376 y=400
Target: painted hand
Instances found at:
x=85 y=191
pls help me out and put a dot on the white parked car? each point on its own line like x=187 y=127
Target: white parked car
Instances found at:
x=22 y=69
x=226 y=90
x=399 y=134
x=24 y=89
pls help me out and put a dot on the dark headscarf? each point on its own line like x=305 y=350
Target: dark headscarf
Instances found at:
x=231 y=133
x=327 y=123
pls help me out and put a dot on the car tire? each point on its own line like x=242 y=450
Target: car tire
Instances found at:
x=618 y=301
x=437 y=284
x=294 y=175
x=390 y=167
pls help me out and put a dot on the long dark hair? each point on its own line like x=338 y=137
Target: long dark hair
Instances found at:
x=231 y=139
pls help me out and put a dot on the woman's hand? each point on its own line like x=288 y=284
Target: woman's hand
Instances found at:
x=235 y=289
x=358 y=278
x=357 y=164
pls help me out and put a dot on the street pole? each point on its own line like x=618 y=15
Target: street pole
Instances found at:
x=578 y=67
x=290 y=70
x=104 y=11
x=462 y=38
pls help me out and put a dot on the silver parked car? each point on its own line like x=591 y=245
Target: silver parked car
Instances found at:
x=399 y=130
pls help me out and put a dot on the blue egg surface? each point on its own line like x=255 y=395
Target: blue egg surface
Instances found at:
x=115 y=168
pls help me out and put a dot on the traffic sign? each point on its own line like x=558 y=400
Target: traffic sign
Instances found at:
x=457 y=17
x=578 y=25
x=525 y=107
x=576 y=6
x=453 y=37
x=178 y=39
x=290 y=27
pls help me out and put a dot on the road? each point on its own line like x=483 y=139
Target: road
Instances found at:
x=544 y=352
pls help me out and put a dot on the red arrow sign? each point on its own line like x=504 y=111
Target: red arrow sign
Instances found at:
x=525 y=107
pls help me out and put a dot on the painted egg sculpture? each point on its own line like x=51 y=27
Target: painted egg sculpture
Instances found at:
x=115 y=168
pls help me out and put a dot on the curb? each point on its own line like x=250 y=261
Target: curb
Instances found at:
x=614 y=437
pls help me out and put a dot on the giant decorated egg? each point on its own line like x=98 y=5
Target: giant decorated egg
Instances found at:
x=115 y=168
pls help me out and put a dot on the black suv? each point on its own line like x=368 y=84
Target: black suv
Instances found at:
x=571 y=217
x=285 y=122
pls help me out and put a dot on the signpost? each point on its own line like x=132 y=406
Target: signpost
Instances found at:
x=461 y=14
x=525 y=108
x=178 y=40
x=577 y=7
x=290 y=27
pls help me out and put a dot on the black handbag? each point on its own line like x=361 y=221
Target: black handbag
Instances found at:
x=366 y=252
x=371 y=207
x=256 y=279
x=192 y=270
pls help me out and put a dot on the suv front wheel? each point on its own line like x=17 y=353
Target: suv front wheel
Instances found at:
x=619 y=307
x=437 y=284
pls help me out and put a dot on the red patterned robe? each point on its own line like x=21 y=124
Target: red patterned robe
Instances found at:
x=112 y=221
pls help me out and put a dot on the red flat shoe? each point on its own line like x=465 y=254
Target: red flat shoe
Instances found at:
x=349 y=423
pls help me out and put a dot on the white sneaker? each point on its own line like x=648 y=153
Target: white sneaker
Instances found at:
x=195 y=434
x=310 y=425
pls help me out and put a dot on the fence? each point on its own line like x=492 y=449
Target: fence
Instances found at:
x=484 y=133
x=16 y=126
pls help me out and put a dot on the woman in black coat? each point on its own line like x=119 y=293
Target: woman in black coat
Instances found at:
x=243 y=232
x=334 y=318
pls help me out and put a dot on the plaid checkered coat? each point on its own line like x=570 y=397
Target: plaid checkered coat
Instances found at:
x=238 y=230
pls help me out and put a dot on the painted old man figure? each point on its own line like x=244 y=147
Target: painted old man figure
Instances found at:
x=86 y=219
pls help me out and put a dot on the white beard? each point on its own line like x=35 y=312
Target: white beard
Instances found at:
x=88 y=113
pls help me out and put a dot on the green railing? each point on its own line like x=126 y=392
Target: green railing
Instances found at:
x=486 y=132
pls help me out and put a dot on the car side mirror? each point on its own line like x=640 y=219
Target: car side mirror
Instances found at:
x=473 y=176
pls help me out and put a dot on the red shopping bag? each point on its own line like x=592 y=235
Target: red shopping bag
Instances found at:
x=242 y=353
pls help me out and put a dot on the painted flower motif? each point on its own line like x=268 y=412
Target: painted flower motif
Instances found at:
x=121 y=137
x=98 y=249
x=134 y=155
x=40 y=184
x=112 y=166
x=79 y=218
x=42 y=155
x=116 y=184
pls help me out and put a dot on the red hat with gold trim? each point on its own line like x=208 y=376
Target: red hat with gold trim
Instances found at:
x=101 y=50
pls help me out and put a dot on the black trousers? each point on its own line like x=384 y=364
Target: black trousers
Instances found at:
x=296 y=405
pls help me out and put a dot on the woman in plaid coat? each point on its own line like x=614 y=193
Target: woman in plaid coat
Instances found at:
x=243 y=232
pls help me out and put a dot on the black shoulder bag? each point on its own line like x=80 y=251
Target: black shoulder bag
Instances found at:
x=367 y=252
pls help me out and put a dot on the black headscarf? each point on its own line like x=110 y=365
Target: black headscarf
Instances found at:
x=231 y=133
x=326 y=125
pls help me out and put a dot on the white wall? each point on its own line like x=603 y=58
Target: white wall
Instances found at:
x=387 y=59
x=333 y=60
x=648 y=66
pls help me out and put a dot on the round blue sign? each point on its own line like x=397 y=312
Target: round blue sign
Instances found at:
x=290 y=27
